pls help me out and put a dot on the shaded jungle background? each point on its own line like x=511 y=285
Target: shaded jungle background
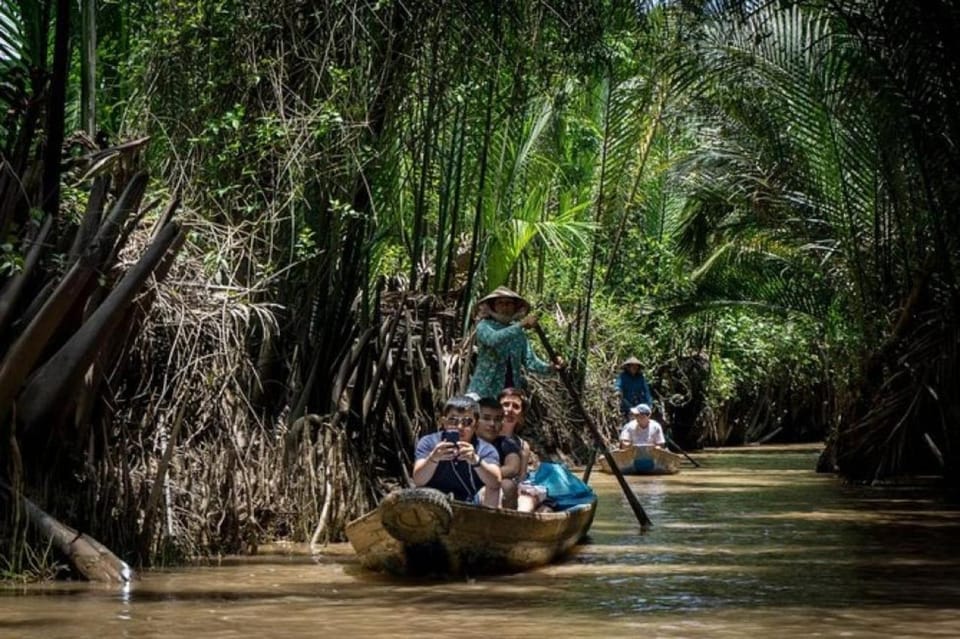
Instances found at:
x=240 y=245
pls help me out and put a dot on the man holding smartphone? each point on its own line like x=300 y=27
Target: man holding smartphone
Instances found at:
x=453 y=459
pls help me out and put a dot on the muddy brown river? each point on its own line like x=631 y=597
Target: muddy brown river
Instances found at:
x=752 y=544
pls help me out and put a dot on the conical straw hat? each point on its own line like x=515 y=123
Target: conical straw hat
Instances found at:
x=504 y=292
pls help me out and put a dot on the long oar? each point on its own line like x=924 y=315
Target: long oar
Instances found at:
x=589 y=467
x=682 y=451
x=597 y=436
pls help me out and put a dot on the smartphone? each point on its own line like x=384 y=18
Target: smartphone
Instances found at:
x=452 y=436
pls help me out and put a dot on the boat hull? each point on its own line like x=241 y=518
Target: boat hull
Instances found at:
x=471 y=539
x=643 y=460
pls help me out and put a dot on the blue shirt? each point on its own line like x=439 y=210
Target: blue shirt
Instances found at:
x=633 y=390
x=499 y=346
x=456 y=477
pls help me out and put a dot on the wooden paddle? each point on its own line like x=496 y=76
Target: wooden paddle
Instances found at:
x=682 y=451
x=589 y=467
x=597 y=436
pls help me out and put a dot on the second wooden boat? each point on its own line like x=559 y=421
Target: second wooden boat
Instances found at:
x=421 y=531
x=643 y=460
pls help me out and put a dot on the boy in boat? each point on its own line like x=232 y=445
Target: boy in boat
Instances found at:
x=641 y=430
x=510 y=451
x=453 y=459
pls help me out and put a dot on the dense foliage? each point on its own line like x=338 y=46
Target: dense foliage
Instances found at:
x=758 y=199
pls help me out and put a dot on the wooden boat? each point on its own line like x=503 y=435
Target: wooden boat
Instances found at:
x=421 y=531
x=643 y=460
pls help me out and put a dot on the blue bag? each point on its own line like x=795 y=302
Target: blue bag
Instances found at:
x=564 y=489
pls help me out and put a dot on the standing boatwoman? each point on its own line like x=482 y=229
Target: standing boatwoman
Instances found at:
x=631 y=386
x=503 y=350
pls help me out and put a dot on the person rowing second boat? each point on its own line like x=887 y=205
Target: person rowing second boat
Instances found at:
x=631 y=386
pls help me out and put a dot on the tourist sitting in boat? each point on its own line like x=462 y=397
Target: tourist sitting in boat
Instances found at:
x=509 y=449
x=641 y=430
x=453 y=459
x=503 y=349
x=548 y=486
x=514 y=404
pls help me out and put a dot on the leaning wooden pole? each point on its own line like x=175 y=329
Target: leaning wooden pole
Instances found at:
x=597 y=436
x=92 y=559
x=670 y=442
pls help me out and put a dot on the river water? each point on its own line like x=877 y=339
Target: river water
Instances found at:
x=752 y=544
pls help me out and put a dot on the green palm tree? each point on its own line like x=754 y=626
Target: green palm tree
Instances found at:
x=802 y=196
x=527 y=210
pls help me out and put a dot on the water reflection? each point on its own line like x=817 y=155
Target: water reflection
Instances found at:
x=752 y=543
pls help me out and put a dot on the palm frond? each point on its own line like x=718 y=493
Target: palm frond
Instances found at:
x=14 y=56
x=765 y=273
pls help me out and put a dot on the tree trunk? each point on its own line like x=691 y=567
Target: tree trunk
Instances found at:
x=56 y=105
x=52 y=383
x=88 y=556
x=26 y=351
x=88 y=66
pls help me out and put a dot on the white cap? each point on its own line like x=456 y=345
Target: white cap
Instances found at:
x=641 y=409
